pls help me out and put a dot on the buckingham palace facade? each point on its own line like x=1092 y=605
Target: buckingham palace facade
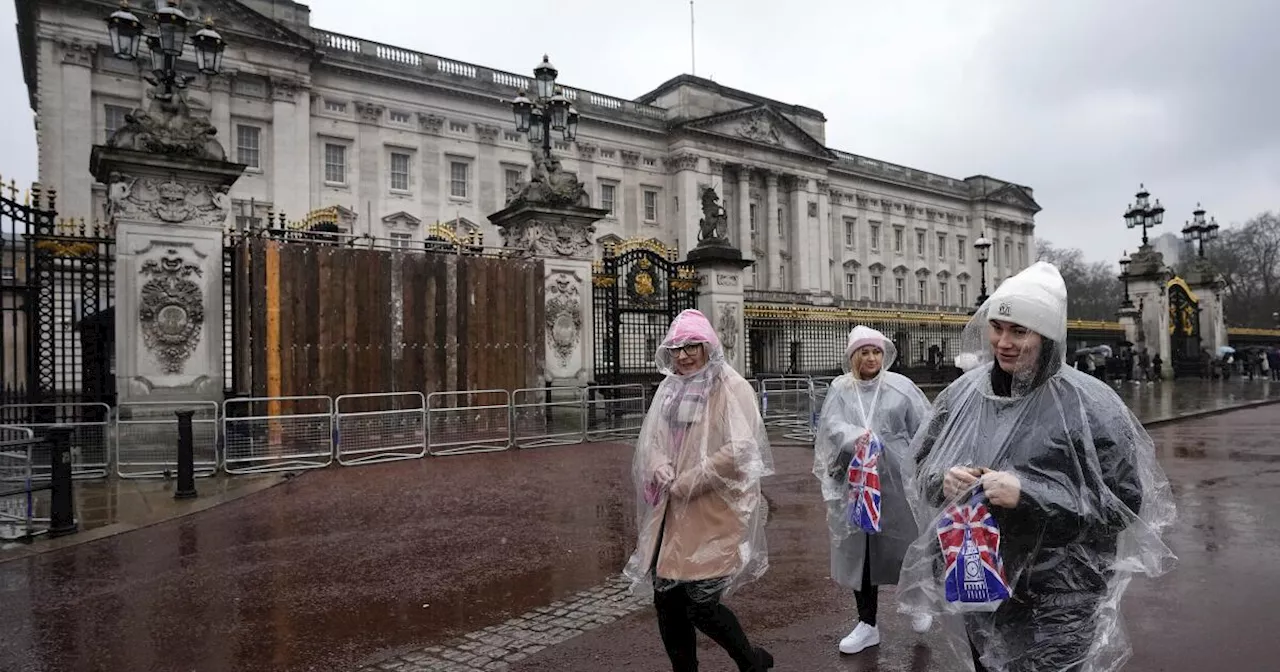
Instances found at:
x=401 y=140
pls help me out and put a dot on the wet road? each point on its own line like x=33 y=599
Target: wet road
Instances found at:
x=1215 y=612
x=338 y=566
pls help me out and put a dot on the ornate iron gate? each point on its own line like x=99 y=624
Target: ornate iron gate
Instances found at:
x=57 y=324
x=639 y=288
x=1184 y=329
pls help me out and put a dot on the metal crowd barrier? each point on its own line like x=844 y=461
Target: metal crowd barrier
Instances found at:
x=381 y=427
x=472 y=421
x=17 y=503
x=89 y=423
x=262 y=434
x=548 y=416
x=785 y=403
x=614 y=412
x=146 y=438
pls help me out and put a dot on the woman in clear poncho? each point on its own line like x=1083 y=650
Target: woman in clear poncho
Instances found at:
x=862 y=459
x=1039 y=496
x=699 y=460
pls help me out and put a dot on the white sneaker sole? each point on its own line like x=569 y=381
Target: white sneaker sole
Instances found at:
x=850 y=650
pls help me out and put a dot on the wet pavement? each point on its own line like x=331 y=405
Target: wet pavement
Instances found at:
x=347 y=568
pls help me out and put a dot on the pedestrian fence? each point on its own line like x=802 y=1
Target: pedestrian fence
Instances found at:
x=471 y=421
x=270 y=434
x=90 y=425
x=380 y=427
x=17 y=502
x=277 y=434
x=146 y=438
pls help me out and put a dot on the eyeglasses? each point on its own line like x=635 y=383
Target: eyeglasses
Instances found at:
x=689 y=349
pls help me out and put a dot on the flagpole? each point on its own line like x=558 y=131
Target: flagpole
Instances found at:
x=693 y=52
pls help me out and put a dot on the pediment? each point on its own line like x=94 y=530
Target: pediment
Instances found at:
x=944 y=274
x=877 y=267
x=401 y=218
x=901 y=270
x=761 y=125
x=234 y=19
x=922 y=272
x=963 y=276
x=852 y=265
x=1012 y=194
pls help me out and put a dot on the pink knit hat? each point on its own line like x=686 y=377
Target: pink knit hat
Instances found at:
x=691 y=326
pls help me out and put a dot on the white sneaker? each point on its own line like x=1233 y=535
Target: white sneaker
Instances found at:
x=921 y=623
x=862 y=637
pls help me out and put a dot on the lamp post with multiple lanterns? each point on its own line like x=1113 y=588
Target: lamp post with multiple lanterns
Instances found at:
x=165 y=45
x=1143 y=213
x=549 y=110
x=1200 y=231
x=983 y=246
x=1124 y=276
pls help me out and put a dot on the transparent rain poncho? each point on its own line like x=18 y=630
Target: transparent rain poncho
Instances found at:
x=863 y=462
x=1093 y=501
x=701 y=454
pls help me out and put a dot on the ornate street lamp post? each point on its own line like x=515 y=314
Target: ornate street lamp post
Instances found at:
x=1143 y=213
x=165 y=45
x=983 y=246
x=1200 y=231
x=1124 y=276
x=548 y=111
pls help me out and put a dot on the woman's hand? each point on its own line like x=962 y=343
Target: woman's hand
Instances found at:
x=1002 y=488
x=664 y=475
x=958 y=480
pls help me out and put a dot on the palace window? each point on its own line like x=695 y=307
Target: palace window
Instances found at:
x=650 y=205
x=113 y=118
x=608 y=196
x=961 y=246
x=875 y=288
x=922 y=292
x=335 y=163
x=401 y=241
x=899 y=290
x=920 y=243
x=753 y=219
x=942 y=246
x=875 y=237
x=897 y=239
x=850 y=232
x=964 y=294
x=512 y=177
x=399 y=171
x=249 y=145
x=850 y=286
x=942 y=293
x=458 y=174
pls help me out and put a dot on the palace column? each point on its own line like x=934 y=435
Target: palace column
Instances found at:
x=825 y=236
x=770 y=234
x=742 y=234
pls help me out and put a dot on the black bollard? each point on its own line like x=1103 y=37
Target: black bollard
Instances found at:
x=62 y=505
x=186 y=458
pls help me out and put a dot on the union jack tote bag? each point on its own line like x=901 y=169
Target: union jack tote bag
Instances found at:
x=970 y=542
x=864 y=483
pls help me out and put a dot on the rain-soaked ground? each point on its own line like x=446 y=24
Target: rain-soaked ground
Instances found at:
x=334 y=568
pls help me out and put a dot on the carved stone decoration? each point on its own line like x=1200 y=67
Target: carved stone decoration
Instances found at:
x=550 y=185
x=79 y=53
x=167 y=128
x=430 y=123
x=714 y=225
x=727 y=328
x=759 y=128
x=369 y=113
x=823 y=185
x=813 y=209
x=683 y=162
x=546 y=238
x=487 y=134
x=284 y=90
x=563 y=315
x=587 y=150
x=630 y=159
x=171 y=310
x=166 y=201
x=726 y=280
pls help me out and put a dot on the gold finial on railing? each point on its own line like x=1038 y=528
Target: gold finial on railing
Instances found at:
x=26 y=198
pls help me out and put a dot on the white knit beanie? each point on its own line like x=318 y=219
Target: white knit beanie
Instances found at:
x=1036 y=299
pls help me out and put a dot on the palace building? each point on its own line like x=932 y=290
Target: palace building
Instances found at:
x=395 y=141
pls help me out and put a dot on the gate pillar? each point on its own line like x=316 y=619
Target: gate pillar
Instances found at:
x=562 y=235
x=1148 y=276
x=167 y=181
x=1208 y=284
x=719 y=266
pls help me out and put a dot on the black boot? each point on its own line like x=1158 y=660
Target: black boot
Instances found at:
x=764 y=660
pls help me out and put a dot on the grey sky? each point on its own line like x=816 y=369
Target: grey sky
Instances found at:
x=1081 y=100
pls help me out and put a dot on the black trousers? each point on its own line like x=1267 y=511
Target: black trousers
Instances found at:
x=1038 y=636
x=867 y=599
x=684 y=608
